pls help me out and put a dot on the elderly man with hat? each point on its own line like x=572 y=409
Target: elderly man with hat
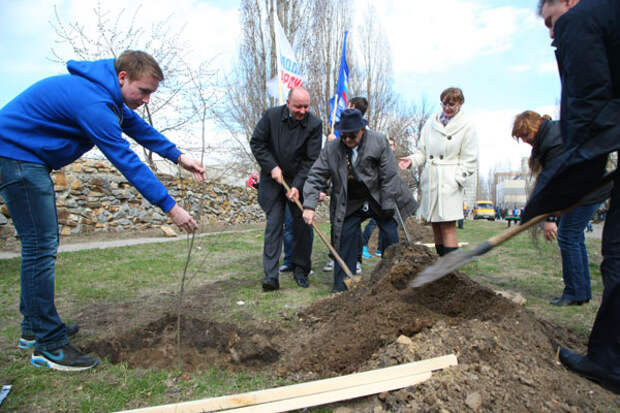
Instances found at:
x=366 y=184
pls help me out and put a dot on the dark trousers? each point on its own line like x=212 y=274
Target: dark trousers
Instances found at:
x=272 y=247
x=288 y=235
x=350 y=239
x=604 y=343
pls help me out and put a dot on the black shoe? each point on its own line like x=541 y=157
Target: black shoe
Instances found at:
x=65 y=358
x=286 y=268
x=585 y=367
x=563 y=302
x=302 y=281
x=27 y=340
x=271 y=284
x=339 y=288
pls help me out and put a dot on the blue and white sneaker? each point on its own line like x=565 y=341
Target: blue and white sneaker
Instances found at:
x=365 y=253
x=379 y=253
x=65 y=358
x=26 y=342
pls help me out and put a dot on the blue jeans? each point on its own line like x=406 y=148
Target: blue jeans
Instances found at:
x=575 y=266
x=368 y=230
x=28 y=193
x=287 y=235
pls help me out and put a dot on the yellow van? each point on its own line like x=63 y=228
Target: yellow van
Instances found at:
x=484 y=210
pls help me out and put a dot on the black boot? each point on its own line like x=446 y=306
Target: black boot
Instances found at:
x=447 y=250
x=585 y=367
x=440 y=250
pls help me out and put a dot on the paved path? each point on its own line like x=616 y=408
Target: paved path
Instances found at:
x=124 y=242
x=597 y=231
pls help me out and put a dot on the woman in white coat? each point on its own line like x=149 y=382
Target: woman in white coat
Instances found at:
x=448 y=150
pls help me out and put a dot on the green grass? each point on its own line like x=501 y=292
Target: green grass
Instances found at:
x=135 y=275
x=534 y=270
x=147 y=277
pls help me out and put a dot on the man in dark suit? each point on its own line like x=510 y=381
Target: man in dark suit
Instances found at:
x=286 y=142
x=587 y=37
x=364 y=175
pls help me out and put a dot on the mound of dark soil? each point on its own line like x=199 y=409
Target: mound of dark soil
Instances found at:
x=506 y=356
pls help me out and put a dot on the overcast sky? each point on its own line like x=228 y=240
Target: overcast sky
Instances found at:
x=497 y=51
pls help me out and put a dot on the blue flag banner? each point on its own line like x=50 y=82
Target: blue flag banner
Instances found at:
x=341 y=98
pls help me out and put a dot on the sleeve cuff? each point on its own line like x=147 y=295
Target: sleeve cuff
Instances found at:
x=174 y=155
x=167 y=204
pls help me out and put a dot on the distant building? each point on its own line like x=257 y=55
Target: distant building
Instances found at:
x=471 y=189
x=510 y=190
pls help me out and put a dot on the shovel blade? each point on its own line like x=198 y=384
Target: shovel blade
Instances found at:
x=442 y=267
x=350 y=281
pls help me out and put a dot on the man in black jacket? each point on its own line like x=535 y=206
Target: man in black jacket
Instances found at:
x=587 y=37
x=286 y=142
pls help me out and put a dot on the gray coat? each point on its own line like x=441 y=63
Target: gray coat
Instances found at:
x=377 y=169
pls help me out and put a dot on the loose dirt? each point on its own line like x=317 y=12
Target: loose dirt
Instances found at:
x=506 y=356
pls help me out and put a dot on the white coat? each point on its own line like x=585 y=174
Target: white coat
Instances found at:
x=449 y=155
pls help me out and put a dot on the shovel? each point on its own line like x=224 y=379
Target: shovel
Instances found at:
x=350 y=277
x=456 y=259
x=402 y=224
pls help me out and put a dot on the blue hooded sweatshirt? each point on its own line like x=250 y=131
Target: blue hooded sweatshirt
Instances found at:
x=59 y=118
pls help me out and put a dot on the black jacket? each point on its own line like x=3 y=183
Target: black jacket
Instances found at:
x=587 y=38
x=548 y=145
x=280 y=140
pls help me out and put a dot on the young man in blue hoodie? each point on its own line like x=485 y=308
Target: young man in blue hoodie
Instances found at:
x=50 y=125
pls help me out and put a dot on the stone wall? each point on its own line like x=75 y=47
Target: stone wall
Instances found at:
x=91 y=195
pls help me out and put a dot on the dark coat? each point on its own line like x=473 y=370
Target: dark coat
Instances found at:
x=548 y=145
x=548 y=142
x=587 y=38
x=280 y=140
x=376 y=168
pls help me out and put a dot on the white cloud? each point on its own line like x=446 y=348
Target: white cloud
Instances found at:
x=520 y=68
x=549 y=67
x=208 y=31
x=435 y=36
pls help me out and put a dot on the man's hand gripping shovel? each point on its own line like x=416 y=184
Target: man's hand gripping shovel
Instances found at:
x=351 y=279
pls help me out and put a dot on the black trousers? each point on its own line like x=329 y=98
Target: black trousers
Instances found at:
x=272 y=247
x=351 y=238
x=604 y=343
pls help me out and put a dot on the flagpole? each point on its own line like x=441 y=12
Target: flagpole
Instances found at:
x=334 y=112
x=278 y=67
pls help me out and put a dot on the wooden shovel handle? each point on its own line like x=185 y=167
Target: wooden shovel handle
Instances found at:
x=322 y=236
x=511 y=232
x=516 y=229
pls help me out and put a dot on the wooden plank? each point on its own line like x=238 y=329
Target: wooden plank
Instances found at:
x=334 y=396
x=431 y=245
x=303 y=389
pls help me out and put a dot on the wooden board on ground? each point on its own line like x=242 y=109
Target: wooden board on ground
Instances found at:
x=431 y=245
x=334 y=395
x=306 y=389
